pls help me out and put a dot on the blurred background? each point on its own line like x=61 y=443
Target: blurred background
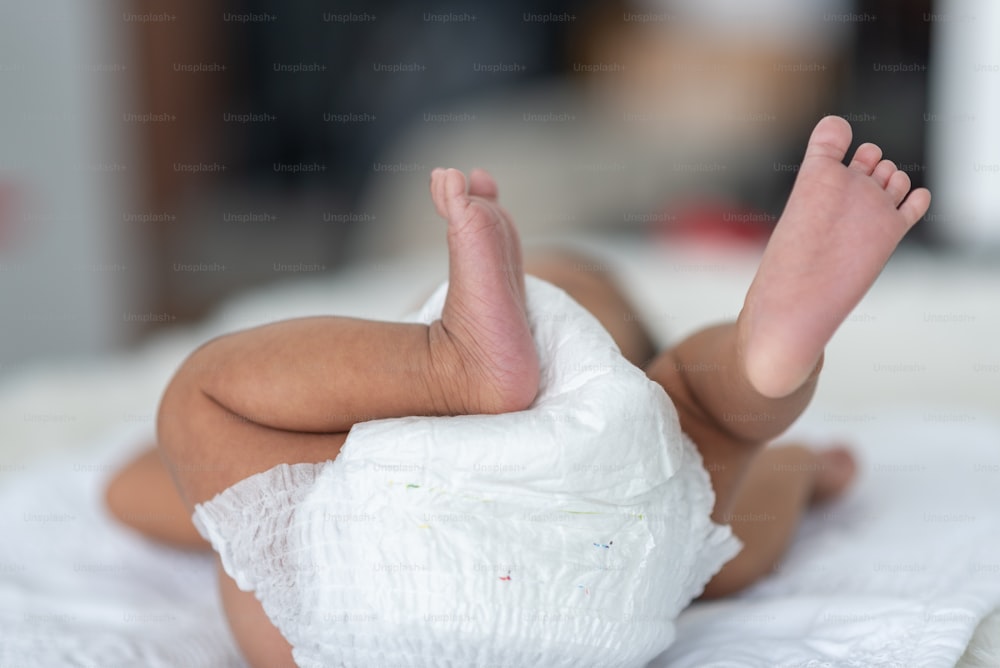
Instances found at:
x=157 y=158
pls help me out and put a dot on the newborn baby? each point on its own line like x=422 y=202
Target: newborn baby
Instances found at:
x=587 y=508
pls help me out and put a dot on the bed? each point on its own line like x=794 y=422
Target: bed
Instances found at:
x=904 y=571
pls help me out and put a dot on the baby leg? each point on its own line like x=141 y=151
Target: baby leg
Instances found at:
x=310 y=380
x=779 y=487
x=143 y=495
x=290 y=392
x=740 y=385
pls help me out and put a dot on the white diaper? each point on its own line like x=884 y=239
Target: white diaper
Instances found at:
x=571 y=534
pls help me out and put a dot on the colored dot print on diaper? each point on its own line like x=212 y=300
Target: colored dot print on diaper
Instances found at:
x=410 y=485
x=586 y=590
x=506 y=578
x=606 y=547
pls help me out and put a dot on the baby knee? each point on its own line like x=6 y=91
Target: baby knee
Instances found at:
x=181 y=399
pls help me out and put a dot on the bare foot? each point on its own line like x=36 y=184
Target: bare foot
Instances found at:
x=838 y=230
x=482 y=342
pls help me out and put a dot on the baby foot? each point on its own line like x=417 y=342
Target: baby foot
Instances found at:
x=838 y=230
x=484 y=351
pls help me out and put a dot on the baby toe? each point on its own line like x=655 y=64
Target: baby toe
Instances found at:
x=865 y=158
x=915 y=205
x=437 y=192
x=898 y=186
x=883 y=171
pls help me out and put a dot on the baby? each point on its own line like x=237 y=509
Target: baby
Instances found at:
x=288 y=393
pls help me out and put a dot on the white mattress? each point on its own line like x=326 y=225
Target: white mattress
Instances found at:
x=900 y=572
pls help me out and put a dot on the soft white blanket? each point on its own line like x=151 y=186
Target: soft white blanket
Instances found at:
x=76 y=589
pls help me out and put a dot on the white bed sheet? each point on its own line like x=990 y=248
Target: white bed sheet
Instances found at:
x=908 y=562
x=77 y=589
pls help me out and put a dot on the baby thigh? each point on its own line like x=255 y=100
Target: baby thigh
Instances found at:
x=208 y=449
x=261 y=644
